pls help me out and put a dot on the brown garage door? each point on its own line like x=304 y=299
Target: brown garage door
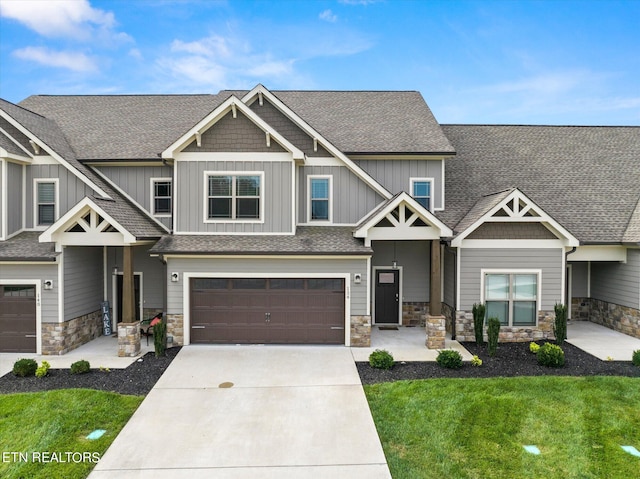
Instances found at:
x=18 y=319
x=267 y=311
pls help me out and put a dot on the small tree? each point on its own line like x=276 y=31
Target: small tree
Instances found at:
x=560 y=324
x=493 y=332
x=160 y=338
x=478 y=322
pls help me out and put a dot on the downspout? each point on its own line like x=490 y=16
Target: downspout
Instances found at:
x=454 y=252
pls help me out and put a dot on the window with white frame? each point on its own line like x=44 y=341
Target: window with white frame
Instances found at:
x=422 y=191
x=46 y=202
x=161 y=196
x=234 y=196
x=319 y=193
x=512 y=297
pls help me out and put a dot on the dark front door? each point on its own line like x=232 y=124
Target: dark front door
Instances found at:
x=387 y=296
x=18 y=319
x=136 y=286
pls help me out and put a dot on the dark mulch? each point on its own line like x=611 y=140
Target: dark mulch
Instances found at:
x=137 y=379
x=511 y=359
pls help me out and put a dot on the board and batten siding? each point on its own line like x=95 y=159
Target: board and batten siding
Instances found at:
x=83 y=280
x=153 y=275
x=42 y=272
x=135 y=181
x=472 y=261
x=617 y=283
x=415 y=259
x=265 y=267
x=15 y=197
x=395 y=175
x=352 y=197
x=190 y=196
x=70 y=188
x=579 y=279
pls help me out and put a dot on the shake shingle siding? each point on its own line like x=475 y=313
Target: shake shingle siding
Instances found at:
x=618 y=283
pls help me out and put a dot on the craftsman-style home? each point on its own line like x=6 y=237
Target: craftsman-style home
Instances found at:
x=306 y=217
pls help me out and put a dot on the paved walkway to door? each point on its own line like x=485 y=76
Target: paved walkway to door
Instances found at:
x=251 y=412
x=600 y=341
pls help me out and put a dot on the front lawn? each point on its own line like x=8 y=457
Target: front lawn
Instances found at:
x=476 y=428
x=43 y=435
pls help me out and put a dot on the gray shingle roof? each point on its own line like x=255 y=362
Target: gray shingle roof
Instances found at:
x=482 y=206
x=142 y=126
x=586 y=178
x=25 y=247
x=7 y=144
x=317 y=240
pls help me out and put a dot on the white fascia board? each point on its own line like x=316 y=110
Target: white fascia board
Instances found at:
x=29 y=154
x=49 y=235
x=55 y=155
x=556 y=228
x=425 y=215
x=599 y=253
x=359 y=172
x=512 y=243
x=220 y=112
x=15 y=158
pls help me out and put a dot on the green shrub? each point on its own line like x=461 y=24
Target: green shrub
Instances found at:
x=551 y=355
x=476 y=361
x=25 y=367
x=381 y=359
x=493 y=332
x=449 y=358
x=635 y=358
x=560 y=323
x=534 y=347
x=43 y=369
x=80 y=367
x=160 y=338
x=479 y=311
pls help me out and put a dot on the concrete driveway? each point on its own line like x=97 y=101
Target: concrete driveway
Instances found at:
x=251 y=412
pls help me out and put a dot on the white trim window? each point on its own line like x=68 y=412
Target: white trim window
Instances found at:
x=319 y=196
x=512 y=297
x=45 y=194
x=161 y=197
x=234 y=196
x=422 y=191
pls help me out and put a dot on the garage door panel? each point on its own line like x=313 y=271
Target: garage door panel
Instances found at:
x=296 y=310
x=17 y=319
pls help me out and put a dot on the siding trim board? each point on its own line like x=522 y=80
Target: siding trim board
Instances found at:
x=186 y=291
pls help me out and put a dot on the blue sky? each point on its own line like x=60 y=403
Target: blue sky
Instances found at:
x=490 y=61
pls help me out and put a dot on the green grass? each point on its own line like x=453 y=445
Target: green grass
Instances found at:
x=476 y=428
x=58 y=422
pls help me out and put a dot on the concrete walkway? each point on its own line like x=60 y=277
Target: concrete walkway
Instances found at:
x=251 y=412
x=602 y=342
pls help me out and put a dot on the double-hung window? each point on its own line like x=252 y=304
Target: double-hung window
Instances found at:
x=512 y=298
x=161 y=196
x=234 y=196
x=46 y=196
x=422 y=191
x=319 y=188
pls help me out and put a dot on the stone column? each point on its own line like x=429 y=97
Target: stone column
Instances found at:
x=129 y=339
x=436 y=332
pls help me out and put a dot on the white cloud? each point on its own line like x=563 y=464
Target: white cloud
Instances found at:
x=75 y=61
x=328 y=16
x=210 y=47
x=59 y=18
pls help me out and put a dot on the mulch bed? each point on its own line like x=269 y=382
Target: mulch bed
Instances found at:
x=137 y=379
x=511 y=359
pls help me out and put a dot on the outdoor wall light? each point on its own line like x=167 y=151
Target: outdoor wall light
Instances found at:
x=48 y=284
x=357 y=278
x=175 y=277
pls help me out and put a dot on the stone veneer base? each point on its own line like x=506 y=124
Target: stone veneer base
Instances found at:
x=619 y=318
x=175 y=329
x=128 y=339
x=508 y=334
x=361 y=331
x=436 y=332
x=60 y=338
x=414 y=313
